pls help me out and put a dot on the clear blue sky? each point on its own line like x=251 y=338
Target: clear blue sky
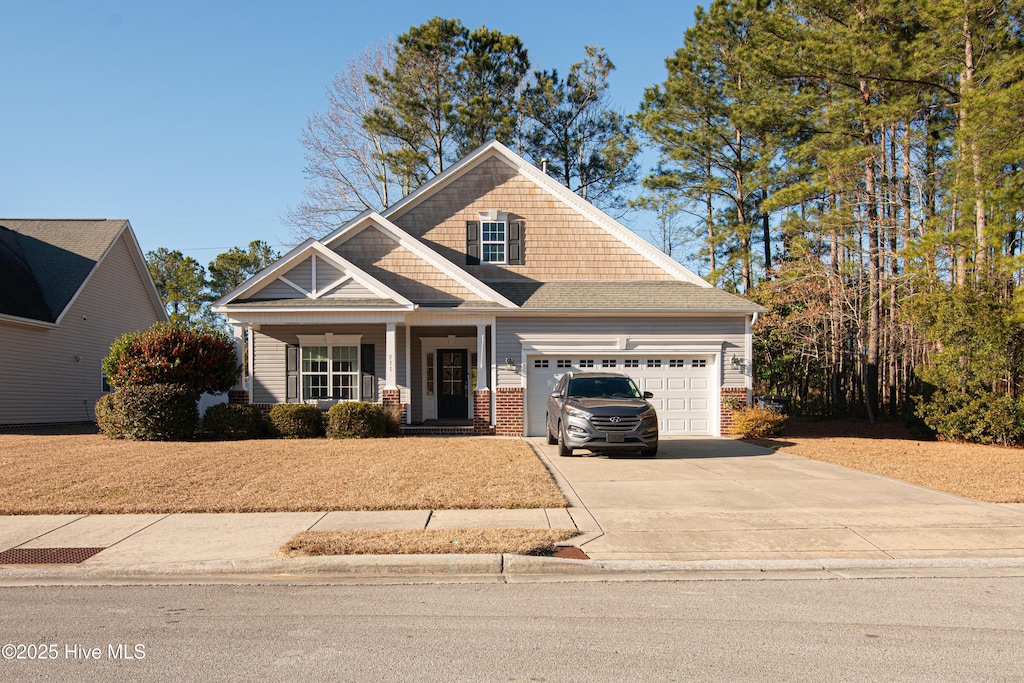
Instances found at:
x=184 y=117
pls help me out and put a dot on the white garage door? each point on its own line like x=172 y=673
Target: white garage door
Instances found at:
x=681 y=385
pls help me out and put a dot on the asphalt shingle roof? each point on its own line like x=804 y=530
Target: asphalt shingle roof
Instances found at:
x=621 y=295
x=43 y=263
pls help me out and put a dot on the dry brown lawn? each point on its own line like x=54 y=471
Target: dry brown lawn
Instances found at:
x=92 y=474
x=994 y=474
x=426 y=541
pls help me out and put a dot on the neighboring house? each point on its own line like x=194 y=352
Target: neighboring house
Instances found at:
x=465 y=301
x=68 y=288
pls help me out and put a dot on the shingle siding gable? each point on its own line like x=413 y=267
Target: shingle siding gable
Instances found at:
x=561 y=244
x=400 y=269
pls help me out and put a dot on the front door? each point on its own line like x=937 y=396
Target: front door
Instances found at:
x=453 y=382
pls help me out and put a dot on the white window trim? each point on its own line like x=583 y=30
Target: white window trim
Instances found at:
x=331 y=341
x=494 y=216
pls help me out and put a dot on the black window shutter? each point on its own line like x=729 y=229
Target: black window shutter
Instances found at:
x=516 y=243
x=292 y=372
x=366 y=369
x=472 y=243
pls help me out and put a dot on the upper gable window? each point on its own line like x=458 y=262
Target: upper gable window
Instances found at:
x=493 y=241
x=497 y=239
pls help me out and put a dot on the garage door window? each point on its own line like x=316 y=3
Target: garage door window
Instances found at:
x=654 y=362
x=586 y=362
x=631 y=362
x=608 y=363
x=564 y=363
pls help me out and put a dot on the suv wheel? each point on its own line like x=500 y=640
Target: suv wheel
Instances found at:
x=650 y=452
x=563 y=450
x=547 y=428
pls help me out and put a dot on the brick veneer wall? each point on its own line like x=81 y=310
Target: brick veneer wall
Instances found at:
x=238 y=396
x=393 y=397
x=508 y=411
x=482 y=412
x=726 y=412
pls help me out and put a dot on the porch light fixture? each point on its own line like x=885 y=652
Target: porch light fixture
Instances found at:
x=510 y=364
x=737 y=363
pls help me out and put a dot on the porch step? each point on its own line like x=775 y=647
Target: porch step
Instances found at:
x=440 y=430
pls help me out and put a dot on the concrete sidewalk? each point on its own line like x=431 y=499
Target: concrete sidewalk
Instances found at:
x=129 y=540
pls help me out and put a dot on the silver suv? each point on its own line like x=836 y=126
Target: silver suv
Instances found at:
x=601 y=411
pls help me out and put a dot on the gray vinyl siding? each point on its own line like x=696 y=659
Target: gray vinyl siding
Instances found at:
x=729 y=332
x=349 y=290
x=40 y=380
x=269 y=369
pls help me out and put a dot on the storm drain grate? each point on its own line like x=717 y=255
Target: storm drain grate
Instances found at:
x=570 y=553
x=47 y=555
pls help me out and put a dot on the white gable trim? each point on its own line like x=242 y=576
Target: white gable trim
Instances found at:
x=496 y=150
x=404 y=239
x=310 y=248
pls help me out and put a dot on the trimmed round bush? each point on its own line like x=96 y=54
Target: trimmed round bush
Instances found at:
x=156 y=412
x=356 y=420
x=195 y=355
x=107 y=417
x=233 y=421
x=296 y=421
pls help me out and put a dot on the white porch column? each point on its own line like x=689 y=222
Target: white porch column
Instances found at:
x=239 y=334
x=390 y=358
x=481 y=357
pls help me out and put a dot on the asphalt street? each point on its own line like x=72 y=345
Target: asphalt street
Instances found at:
x=962 y=629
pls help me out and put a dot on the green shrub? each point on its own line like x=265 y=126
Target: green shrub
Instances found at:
x=393 y=415
x=157 y=412
x=973 y=416
x=196 y=356
x=296 y=421
x=107 y=417
x=233 y=421
x=757 y=423
x=356 y=420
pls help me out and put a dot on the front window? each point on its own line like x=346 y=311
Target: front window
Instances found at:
x=330 y=372
x=492 y=241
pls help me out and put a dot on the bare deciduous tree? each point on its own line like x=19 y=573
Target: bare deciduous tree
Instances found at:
x=344 y=167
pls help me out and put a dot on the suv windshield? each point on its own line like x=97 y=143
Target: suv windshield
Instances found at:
x=603 y=387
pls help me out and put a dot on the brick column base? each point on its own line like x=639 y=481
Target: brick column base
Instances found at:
x=238 y=396
x=508 y=411
x=393 y=397
x=482 y=412
x=729 y=398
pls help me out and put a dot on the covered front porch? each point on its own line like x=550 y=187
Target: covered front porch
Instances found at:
x=441 y=372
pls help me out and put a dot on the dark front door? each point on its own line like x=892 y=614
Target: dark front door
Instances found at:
x=453 y=381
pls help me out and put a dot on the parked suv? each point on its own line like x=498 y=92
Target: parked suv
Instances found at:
x=601 y=411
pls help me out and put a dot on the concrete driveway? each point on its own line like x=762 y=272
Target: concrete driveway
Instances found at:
x=720 y=499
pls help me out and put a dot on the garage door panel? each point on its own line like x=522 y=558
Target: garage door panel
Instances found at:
x=680 y=385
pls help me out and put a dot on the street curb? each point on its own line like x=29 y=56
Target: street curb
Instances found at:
x=513 y=567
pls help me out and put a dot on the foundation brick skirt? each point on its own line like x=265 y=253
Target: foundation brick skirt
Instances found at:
x=508 y=411
x=729 y=396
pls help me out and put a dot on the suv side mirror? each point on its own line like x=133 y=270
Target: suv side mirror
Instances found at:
x=648 y=394
x=555 y=394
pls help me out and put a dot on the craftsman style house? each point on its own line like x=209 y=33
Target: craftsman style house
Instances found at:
x=468 y=299
x=68 y=289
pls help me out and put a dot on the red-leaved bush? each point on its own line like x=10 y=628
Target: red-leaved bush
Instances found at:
x=194 y=356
